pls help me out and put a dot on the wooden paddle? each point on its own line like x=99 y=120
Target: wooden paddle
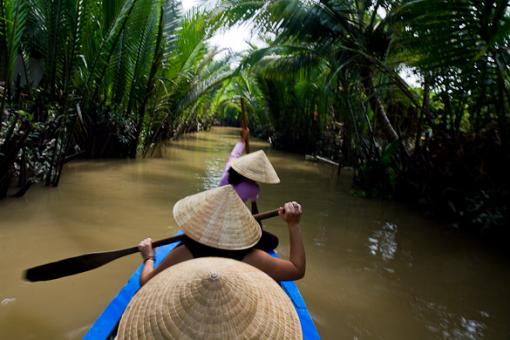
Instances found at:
x=244 y=124
x=86 y=262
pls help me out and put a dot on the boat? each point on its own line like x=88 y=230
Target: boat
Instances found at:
x=105 y=327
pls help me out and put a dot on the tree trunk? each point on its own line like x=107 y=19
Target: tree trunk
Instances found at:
x=377 y=106
x=349 y=124
x=499 y=104
x=424 y=112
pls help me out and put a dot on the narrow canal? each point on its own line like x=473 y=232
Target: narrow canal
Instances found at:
x=376 y=269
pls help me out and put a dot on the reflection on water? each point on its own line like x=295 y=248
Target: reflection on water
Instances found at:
x=77 y=333
x=365 y=279
x=469 y=329
x=320 y=239
x=8 y=300
x=383 y=242
x=450 y=325
x=213 y=172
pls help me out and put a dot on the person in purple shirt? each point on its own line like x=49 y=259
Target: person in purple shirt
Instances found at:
x=243 y=172
x=246 y=188
x=237 y=173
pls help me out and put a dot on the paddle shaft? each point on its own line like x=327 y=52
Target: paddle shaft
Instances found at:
x=127 y=251
x=244 y=125
x=86 y=262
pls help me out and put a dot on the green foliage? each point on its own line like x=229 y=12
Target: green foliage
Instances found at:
x=420 y=144
x=117 y=77
x=106 y=78
x=13 y=16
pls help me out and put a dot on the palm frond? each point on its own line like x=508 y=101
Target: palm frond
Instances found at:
x=13 y=18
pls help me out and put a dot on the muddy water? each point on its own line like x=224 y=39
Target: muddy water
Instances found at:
x=376 y=270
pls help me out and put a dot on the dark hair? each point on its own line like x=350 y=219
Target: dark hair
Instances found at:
x=234 y=177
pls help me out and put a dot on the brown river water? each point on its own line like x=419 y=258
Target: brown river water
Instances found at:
x=375 y=269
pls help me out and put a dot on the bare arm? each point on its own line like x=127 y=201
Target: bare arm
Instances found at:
x=239 y=148
x=279 y=269
x=237 y=151
x=179 y=254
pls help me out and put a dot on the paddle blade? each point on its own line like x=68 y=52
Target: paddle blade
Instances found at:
x=71 y=266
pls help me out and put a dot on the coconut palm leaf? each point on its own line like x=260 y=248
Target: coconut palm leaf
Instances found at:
x=13 y=17
x=100 y=63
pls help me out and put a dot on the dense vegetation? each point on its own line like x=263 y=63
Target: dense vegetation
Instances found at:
x=111 y=79
x=98 y=79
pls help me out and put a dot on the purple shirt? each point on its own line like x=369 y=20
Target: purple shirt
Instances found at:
x=247 y=189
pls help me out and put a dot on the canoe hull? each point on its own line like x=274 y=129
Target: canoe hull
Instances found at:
x=105 y=326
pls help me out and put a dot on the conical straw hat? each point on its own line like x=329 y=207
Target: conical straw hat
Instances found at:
x=257 y=167
x=217 y=218
x=210 y=298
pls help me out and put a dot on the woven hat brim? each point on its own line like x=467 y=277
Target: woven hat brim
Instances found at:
x=257 y=167
x=213 y=298
x=217 y=218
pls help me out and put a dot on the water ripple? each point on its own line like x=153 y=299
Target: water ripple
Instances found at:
x=8 y=300
x=320 y=239
x=213 y=174
x=446 y=324
x=383 y=242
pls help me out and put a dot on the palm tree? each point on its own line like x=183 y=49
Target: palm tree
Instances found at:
x=116 y=76
x=347 y=34
x=464 y=47
x=189 y=73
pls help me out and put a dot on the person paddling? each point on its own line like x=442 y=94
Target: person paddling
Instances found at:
x=216 y=222
x=210 y=298
x=243 y=172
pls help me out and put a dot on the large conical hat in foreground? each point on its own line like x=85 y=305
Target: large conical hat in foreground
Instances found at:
x=218 y=218
x=257 y=167
x=210 y=298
